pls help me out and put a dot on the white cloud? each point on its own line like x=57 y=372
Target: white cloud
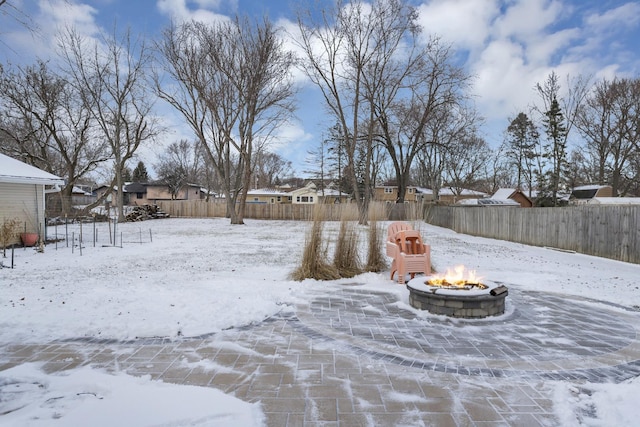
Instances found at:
x=466 y=23
x=525 y=19
x=47 y=19
x=627 y=15
x=56 y=15
x=180 y=10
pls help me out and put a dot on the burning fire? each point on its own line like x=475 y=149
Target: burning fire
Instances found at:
x=459 y=278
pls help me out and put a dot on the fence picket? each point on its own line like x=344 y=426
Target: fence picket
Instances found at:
x=605 y=231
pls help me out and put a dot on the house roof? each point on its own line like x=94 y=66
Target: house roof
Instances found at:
x=448 y=191
x=503 y=193
x=590 y=187
x=332 y=193
x=135 y=187
x=17 y=172
x=266 y=192
x=487 y=202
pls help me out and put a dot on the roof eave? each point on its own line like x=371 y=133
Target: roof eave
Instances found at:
x=27 y=180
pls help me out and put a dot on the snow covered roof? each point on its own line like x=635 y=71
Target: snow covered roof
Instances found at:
x=503 y=193
x=590 y=187
x=447 y=191
x=266 y=192
x=615 y=201
x=332 y=192
x=487 y=202
x=17 y=172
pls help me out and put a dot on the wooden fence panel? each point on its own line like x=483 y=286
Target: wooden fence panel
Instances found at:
x=277 y=211
x=604 y=231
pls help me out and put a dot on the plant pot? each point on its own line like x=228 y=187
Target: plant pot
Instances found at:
x=29 y=239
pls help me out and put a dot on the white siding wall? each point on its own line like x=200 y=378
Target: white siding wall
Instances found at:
x=25 y=202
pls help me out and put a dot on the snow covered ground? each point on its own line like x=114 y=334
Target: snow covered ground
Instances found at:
x=183 y=282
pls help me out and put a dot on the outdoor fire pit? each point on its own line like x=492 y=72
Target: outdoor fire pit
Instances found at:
x=457 y=294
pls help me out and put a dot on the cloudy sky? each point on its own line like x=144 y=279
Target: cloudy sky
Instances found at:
x=507 y=45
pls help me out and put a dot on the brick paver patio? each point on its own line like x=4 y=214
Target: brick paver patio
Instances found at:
x=352 y=357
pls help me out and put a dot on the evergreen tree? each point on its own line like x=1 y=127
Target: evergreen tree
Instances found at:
x=140 y=173
x=555 y=150
x=126 y=175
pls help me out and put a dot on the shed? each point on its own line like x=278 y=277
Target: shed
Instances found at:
x=22 y=193
x=511 y=194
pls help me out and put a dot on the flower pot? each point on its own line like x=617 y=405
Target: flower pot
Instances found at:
x=29 y=239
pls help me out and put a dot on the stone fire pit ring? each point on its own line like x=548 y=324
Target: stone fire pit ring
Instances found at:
x=458 y=303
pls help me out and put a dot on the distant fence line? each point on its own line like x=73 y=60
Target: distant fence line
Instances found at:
x=278 y=211
x=605 y=231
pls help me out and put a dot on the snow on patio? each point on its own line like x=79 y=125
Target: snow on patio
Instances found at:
x=203 y=276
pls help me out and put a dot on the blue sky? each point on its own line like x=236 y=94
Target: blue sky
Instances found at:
x=507 y=45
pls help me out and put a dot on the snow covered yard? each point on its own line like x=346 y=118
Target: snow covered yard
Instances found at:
x=204 y=276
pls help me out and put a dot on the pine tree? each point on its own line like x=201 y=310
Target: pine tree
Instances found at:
x=555 y=150
x=140 y=173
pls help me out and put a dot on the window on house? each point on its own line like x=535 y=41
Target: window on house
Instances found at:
x=139 y=195
x=256 y=199
x=279 y=198
x=298 y=199
x=311 y=199
x=305 y=199
x=410 y=190
x=388 y=190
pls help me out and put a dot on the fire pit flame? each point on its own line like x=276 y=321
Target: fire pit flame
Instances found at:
x=459 y=278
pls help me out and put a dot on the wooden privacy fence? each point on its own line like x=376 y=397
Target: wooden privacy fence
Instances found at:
x=330 y=212
x=604 y=231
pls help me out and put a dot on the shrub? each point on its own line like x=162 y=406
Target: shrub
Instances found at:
x=346 y=259
x=9 y=231
x=314 y=263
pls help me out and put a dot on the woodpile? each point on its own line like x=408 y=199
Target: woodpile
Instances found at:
x=145 y=212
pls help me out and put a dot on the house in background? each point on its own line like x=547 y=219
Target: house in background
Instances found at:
x=330 y=195
x=447 y=196
x=268 y=195
x=138 y=194
x=307 y=195
x=388 y=192
x=22 y=193
x=583 y=194
x=158 y=191
x=311 y=195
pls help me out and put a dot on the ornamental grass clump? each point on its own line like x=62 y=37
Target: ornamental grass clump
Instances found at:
x=376 y=260
x=9 y=231
x=314 y=263
x=346 y=258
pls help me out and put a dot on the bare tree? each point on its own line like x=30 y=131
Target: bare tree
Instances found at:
x=337 y=49
x=522 y=139
x=271 y=169
x=609 y=123
x=466 y=163
x=47 y=125
x=498 y=172
x=380 y=83
x=446 y=128
x=180 y=164
x=231 y=82
x=111 y=77
x=415 y=93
